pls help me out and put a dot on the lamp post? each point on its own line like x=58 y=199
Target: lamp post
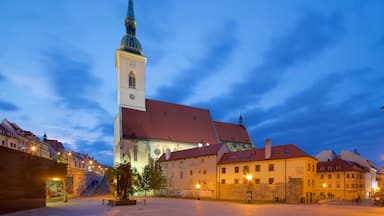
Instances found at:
x=198 y=191
x=324 y=187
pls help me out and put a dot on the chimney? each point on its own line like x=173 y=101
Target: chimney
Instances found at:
x=268 y=148
x=167 y=154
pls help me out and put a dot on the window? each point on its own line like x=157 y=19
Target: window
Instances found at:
x=257 y=168
x=222 y=181
x=352 y=175
x=223 y=170
x=204 y=172
x=3 y=142
x=337 y=185
x=313 y=168
x=257 y=181
x=270 y=180
x=202 y=160
x=309 y=182
x=271 y=167
x=191 y=172
x=352 y=185
x=236 y=181
x=246 y=169
x=181 y=175
x=309 y=167
x=338 y=176
x=348 y=175
x=135 y=153
x=132 y=80
x=347 y=185
x=236 y=169
x=329 y=176
x=322 y=176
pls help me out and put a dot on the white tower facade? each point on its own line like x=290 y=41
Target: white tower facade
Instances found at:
x=130 y=65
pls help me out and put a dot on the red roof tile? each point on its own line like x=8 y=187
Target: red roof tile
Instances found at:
x=191 y=153
x=337 y=165
x=171 y=122
x=232 y=132
x=278 y=152
x=56 y=145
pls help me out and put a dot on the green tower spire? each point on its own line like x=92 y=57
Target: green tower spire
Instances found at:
x=131 y=11
x=130 y=43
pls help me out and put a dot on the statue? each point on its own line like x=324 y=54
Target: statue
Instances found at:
x=123 y=181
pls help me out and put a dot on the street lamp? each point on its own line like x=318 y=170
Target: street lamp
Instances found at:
x=198 y=190
x=249 y=192
x=249 y=178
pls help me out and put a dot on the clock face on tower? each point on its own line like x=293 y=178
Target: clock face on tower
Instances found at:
x=132 y=96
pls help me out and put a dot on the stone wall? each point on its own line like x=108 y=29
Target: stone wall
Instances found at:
x=22 y=179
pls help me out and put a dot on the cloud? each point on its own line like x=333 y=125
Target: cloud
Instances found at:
x=72 y=81
x=215 y=58
x=308 y=121
x=2 y=77
x=308 y=39
x=6 y=106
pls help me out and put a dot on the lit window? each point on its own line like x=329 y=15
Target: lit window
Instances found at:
x=132 y=80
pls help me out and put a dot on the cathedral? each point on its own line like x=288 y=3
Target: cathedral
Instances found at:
x=144 y=129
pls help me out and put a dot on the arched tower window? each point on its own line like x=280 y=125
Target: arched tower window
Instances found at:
x=132 y=80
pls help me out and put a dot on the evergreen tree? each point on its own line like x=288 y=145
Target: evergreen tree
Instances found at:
x=151 y=179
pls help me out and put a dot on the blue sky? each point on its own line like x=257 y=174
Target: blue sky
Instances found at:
x=302 y=72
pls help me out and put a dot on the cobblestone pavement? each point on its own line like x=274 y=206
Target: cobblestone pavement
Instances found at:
x=176 y=207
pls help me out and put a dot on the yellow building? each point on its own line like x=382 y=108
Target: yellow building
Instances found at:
x=272 y=173
x=192 y=172
x=340 y=179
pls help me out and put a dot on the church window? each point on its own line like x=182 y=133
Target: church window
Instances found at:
x=135 y=153
x=132 y=80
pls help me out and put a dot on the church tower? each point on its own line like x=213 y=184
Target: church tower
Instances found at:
x=130 y=65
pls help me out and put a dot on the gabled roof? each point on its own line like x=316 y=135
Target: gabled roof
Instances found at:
x=277 y=152
x=192 y=153
x=232 y=132
x=56 y=145
x=170 y=122
x=337 y=165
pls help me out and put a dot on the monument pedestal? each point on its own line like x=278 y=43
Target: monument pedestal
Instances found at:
x=121 y=202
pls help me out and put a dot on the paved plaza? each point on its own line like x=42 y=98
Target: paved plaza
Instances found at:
x=176 y=207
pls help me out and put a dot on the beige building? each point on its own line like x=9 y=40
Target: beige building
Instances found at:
x=353 y=157
x=272 y=173
x=340 y=179
x=192 y=172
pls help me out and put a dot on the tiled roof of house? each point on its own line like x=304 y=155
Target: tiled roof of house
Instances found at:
x=232 y=132
x=171 y=122
x=191 y=153
x=178 y=123
x=277 y=152
x=56 y=145
x=338 y=164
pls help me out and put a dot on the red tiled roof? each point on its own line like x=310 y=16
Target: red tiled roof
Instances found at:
x=171 y=122
x=277 y=152
x=191 y=153
x=56 y=145
x=232 y=132
x=337 y=165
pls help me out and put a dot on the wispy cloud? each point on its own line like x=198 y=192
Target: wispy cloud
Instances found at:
x=7 y=106
x=215 y=57
x=311 y=36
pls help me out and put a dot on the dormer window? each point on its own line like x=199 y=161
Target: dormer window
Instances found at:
x=132 y=80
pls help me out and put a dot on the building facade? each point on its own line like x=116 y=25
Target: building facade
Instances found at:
x=192 y=172
x=144 y=129
x=272 y=173
x=341 y=179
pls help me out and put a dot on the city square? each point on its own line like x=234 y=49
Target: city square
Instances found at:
x=212 y=108
x=191 y=207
